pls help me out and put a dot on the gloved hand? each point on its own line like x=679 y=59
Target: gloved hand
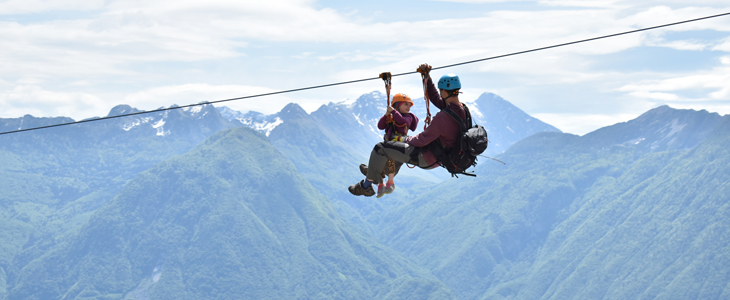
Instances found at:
x=424 y=69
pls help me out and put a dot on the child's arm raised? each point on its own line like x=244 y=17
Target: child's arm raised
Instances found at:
x=384 y=119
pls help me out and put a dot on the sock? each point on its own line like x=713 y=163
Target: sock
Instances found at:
x=390 y=182
x=366 y=184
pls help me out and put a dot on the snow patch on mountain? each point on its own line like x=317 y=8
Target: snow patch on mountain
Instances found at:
x=193 y=109
x=266 y=128
x=135 y=123
x=357 y=117
x=254 y=120
x=160 y=129
x=476 y=112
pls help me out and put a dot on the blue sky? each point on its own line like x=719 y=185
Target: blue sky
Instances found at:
x=80 y=58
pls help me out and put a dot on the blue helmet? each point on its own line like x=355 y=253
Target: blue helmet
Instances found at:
x=449 y=82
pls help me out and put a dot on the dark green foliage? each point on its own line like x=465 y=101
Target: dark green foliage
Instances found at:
x=231 y=219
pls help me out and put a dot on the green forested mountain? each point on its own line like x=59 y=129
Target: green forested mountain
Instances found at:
x=637 y=210
x=658 y=231
x=231 y=219
x=52 y=180
x=574 y=217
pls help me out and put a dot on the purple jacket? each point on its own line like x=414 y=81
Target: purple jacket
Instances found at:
x=443 y=128
x=409 y=119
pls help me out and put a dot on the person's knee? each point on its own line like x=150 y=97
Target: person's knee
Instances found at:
x=396 y=146
x=378 y=148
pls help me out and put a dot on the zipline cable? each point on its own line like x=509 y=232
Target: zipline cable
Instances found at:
x=369 y=79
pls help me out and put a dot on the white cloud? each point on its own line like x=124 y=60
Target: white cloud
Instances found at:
x=153 y=31
x=581 y=124
x=195 y=93
x=724 y=46
x=682 y=45
x=36 y=101
x=483 y=1
x=655 y=95
x=715 y=83
x=9 y=7
x=582 y=3
x=115 y=38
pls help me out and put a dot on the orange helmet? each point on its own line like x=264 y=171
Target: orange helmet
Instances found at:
x=399 y=98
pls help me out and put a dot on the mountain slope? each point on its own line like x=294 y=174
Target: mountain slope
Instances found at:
x=574 y=217
x=657 y=232
x=231 y=219
x=326 y=159
x=54 y=179
x=659 y=129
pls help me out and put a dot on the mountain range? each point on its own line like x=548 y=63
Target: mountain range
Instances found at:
x=188 y=204
x=195 y=227
x=600 y=216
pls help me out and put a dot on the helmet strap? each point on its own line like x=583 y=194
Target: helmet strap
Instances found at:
x=454 y=93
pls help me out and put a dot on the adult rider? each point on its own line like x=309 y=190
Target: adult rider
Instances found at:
x=423 y=149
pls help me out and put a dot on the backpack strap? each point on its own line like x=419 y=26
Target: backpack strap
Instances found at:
x=436 y=148
x=455 y=116
x=468 y=117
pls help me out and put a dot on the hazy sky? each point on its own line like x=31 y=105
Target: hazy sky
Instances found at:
x=80 y=58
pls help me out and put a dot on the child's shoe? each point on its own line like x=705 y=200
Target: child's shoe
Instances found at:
x=389 y=188
x=381 y=190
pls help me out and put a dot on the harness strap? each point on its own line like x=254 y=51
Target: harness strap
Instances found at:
x=455 y=116
x=387 y=78
x=427 y=121
x=424 y=79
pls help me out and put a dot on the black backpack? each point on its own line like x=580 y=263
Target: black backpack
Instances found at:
x=471 y=142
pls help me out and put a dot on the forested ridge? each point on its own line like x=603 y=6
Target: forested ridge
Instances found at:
x=195 y=208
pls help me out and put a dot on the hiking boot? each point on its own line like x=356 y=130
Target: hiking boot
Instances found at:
x=358 y=190
x=389 y=188
x=381 y=190
x=364 y=169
